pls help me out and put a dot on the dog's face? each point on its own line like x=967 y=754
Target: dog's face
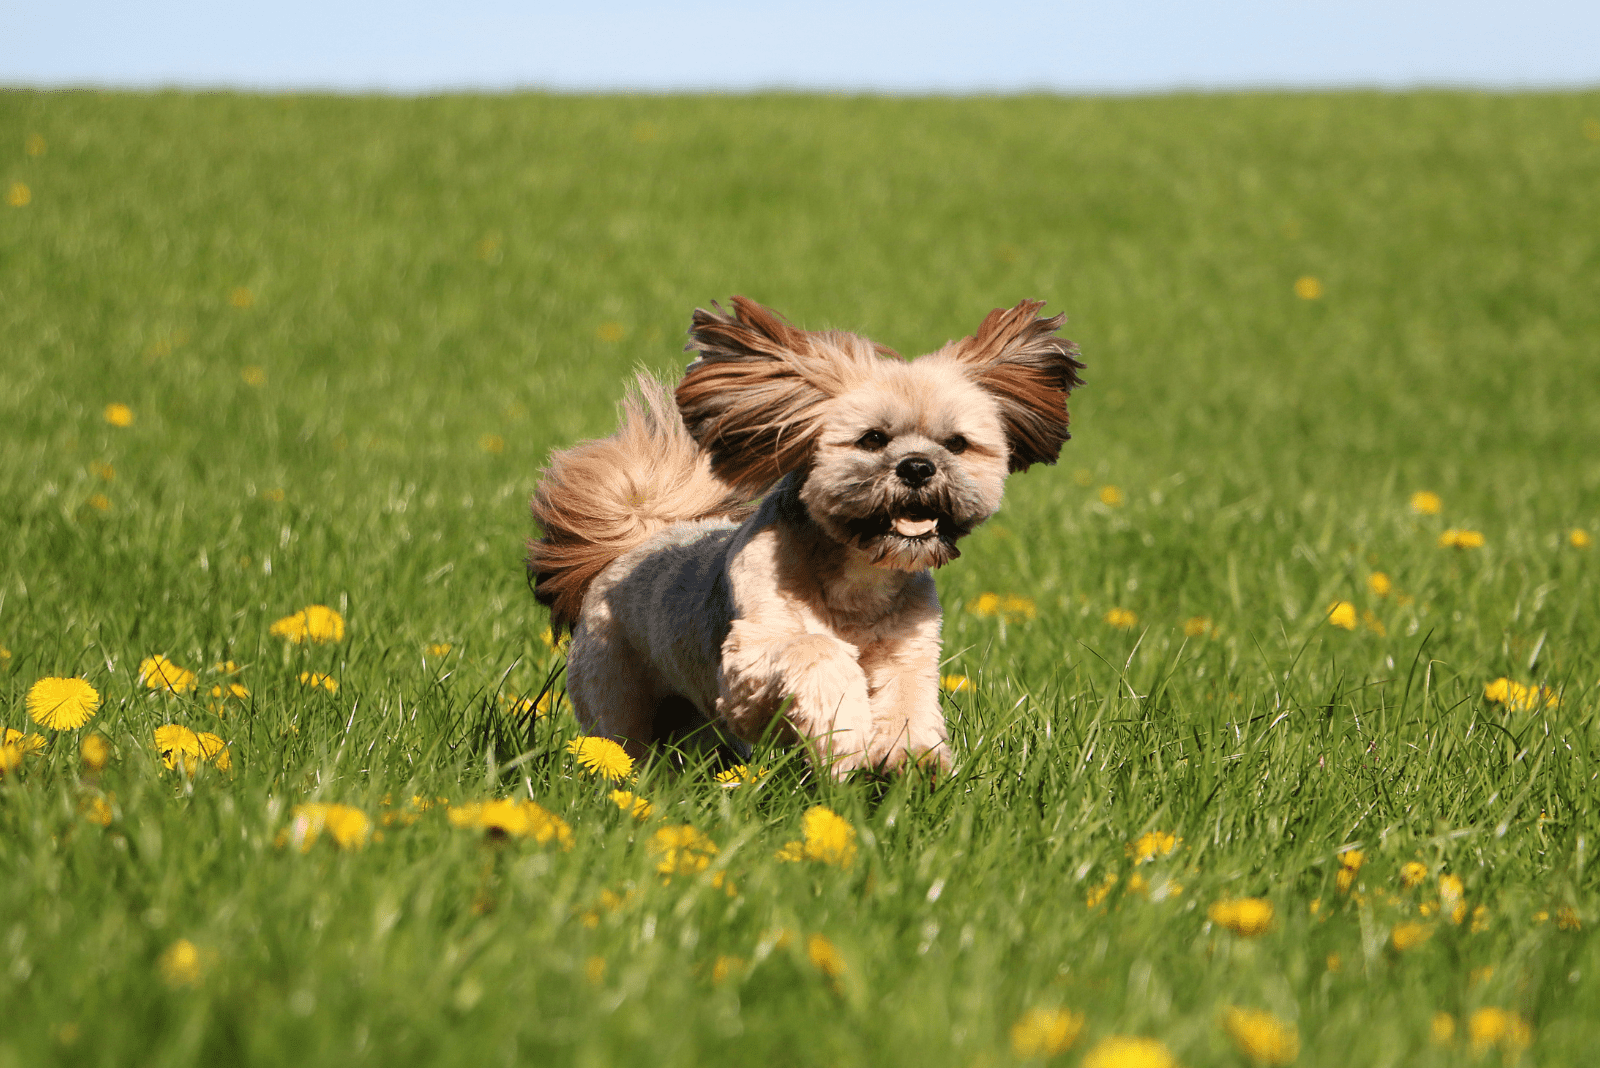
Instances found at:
x=900 y=459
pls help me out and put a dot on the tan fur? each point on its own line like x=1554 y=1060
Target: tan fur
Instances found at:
x=819 y=604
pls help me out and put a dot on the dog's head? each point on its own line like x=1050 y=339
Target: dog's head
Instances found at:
x=898 y=458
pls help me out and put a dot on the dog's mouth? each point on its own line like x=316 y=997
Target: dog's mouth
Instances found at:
x=908 y=526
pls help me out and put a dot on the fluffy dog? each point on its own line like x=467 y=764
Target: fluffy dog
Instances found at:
x=690 y=603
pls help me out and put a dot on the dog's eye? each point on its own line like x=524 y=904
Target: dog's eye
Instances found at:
x=872 y=440
x=956 y=445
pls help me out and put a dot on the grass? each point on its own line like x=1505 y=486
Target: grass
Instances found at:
x=349 y=330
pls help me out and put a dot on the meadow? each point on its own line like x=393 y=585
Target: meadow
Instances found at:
x=1274 y=703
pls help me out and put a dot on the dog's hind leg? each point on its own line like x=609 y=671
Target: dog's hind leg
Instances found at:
x=611 y=689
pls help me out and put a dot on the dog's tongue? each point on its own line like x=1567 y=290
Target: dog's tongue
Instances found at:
x=907 y=527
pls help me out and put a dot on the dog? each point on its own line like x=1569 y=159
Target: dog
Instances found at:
x=754 y=552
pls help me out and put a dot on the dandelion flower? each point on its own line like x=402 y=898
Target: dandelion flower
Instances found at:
x=178 y=746
x=791 y=853
x=1261 y=1036
x=1408 y=935
x=27 y=743
x=1424 y=502
x=1151 y=845
x=35 y=145
x=632 y=804
x=315 y=623
x=515 y=819
x=62 y=704
x=1123 y=1051
x=1111 y=497
x=725 y=968
x=346 y=825
x=684 y=850
x=610 y=332
x=119 y=415
x=96 y=810
x=1442 y=1029
x=95 y=752
x=214 y=749
x=159 y=673
x=1197 y=626
x=1342 y=614
x=829 y=837
x=241 y=297
x=825 y=957
x=438 y=650
x=99 y=502
x=1567 y=919
x=314 y=679
x=103 y=471
x=253 y=376
x=1122 y=619
x=1519 y=698
x=180 y=964
x=594 y=970
x=1101 y=891
x=492 y=443
x=1379 y=584
x=1308 y=287
x=987 y=604
x=1579 y=539
x=224 y=692
x=19 y=195
x=1461 y=539
x=1413 y=873
x=10 y=758
x=1045 y=1033
x=1489 y=1027
x=1248 y=916
x=602 y=757
x=955 y=684
x=1350 y=862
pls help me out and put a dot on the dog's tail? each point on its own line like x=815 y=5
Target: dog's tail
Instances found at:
x=600 y=499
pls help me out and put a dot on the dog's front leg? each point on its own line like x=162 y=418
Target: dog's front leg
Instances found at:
x=907 y=723
x=762 y=667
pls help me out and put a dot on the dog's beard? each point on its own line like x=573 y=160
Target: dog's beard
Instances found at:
x=897 y=527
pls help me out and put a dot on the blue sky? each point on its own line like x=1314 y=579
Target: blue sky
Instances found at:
x=1106 y=46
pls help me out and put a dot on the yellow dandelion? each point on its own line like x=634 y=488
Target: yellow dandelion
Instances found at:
x=159 y=673
x=725 y=968
x=1045 y=1032
x=1248 y=916
x=1342 y=614
x=1197 y=626
x=1124 y=1051
x=632 y=804
x=314 y=679
x=1480 y=975
x=610 y=332
x=96 y=810
x=214 y=749
x=19 y=195
x=825 y=957
x=95 y=752
x=955 y=684
x=1379 y=584
x=274 y=494
x=1442 y=1029
x=5 y=655
x=253 y=376
x=315 y=623
x=1111 y=497
x=35 y=145
x=987 y=604
x=829 y=837
x=1350 y=862
x=602 y=757
x=1461 y=539
x=1261 y=1036
x=1579 y=539
x=1308 y=287
x=1101 y=891
x=1424 y=502
x=178 y=746
x=241 y=297
x=1151 y=845
x=27 y=743
x=1334 y=962
x=511 y=818
x=1374 y=624
x=1408 y=935
x=1480 y=919
x=224 y=692
x=62 y=704
x=492 y=443
x=684 y=850
x=556 y=643
x=791 y=853
x=1122 y=619
x=119 y=415
x=594 y=970
x=1519 y=698
x=103 y=471
x=181 y=964
x=438 y=650
x=1567 y=919
x=1413 y=873
x=10 y=758
x=99 y=502
x=347 y=826
x=1489 y=1027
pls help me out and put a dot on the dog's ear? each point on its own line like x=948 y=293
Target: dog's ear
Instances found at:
x=1017 y=357
x=752 y=396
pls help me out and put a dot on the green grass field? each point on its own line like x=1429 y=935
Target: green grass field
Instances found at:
x=348 y=331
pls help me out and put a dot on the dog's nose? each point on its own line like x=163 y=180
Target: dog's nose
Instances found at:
x=915 y=470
